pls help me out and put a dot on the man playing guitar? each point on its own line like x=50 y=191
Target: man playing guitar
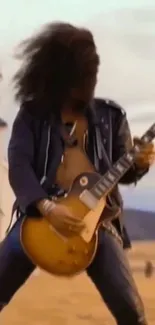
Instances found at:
x=55 y=86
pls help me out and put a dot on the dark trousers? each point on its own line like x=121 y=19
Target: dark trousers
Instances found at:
x=109 y=271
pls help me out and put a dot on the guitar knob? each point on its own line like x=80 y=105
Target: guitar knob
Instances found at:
x=83 y=181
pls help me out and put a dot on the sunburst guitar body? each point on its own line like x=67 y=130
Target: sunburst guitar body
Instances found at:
x=55 y=253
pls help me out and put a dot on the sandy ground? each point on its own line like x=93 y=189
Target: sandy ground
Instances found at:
x=46 y=300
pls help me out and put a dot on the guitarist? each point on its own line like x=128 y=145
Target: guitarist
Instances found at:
x=55 y=85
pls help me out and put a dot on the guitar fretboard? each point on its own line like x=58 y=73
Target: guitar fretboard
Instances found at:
x=112 y=177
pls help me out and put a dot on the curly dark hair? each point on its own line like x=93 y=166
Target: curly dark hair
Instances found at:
x=59 y=58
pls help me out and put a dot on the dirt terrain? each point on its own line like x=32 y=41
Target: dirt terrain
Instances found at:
x=46 y=300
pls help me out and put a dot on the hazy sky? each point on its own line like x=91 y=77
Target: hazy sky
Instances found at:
x=19 y=17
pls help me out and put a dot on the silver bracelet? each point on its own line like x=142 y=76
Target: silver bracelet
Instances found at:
x=48 y=206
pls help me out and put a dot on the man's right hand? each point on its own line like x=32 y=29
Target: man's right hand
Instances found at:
x=61 y=218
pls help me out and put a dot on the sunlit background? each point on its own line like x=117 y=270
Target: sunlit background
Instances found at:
x=124 y=32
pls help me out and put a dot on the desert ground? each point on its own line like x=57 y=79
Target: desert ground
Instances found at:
x=46 y=300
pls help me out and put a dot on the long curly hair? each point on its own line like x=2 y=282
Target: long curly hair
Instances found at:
x=59 y=58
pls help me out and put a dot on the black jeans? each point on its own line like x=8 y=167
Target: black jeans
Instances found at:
x=109 y=271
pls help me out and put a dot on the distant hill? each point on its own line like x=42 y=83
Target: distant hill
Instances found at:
x=140 y=224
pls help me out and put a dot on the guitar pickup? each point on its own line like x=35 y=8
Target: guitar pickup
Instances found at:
x=88 y=199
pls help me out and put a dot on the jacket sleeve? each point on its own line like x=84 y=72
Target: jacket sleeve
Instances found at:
x=123 y=143
x=22 y=177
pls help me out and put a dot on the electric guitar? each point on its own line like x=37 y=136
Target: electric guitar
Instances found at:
x=86 y=198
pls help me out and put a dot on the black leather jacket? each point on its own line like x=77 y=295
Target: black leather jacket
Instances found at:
x=36 y=147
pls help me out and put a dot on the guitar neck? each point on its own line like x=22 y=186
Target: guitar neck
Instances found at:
x=115 y=173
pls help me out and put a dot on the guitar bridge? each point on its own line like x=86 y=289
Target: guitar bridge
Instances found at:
x=88 y=199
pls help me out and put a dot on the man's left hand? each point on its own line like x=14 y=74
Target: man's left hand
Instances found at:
x=146 y=156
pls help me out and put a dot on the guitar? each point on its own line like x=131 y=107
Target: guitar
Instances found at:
x=63 y=256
